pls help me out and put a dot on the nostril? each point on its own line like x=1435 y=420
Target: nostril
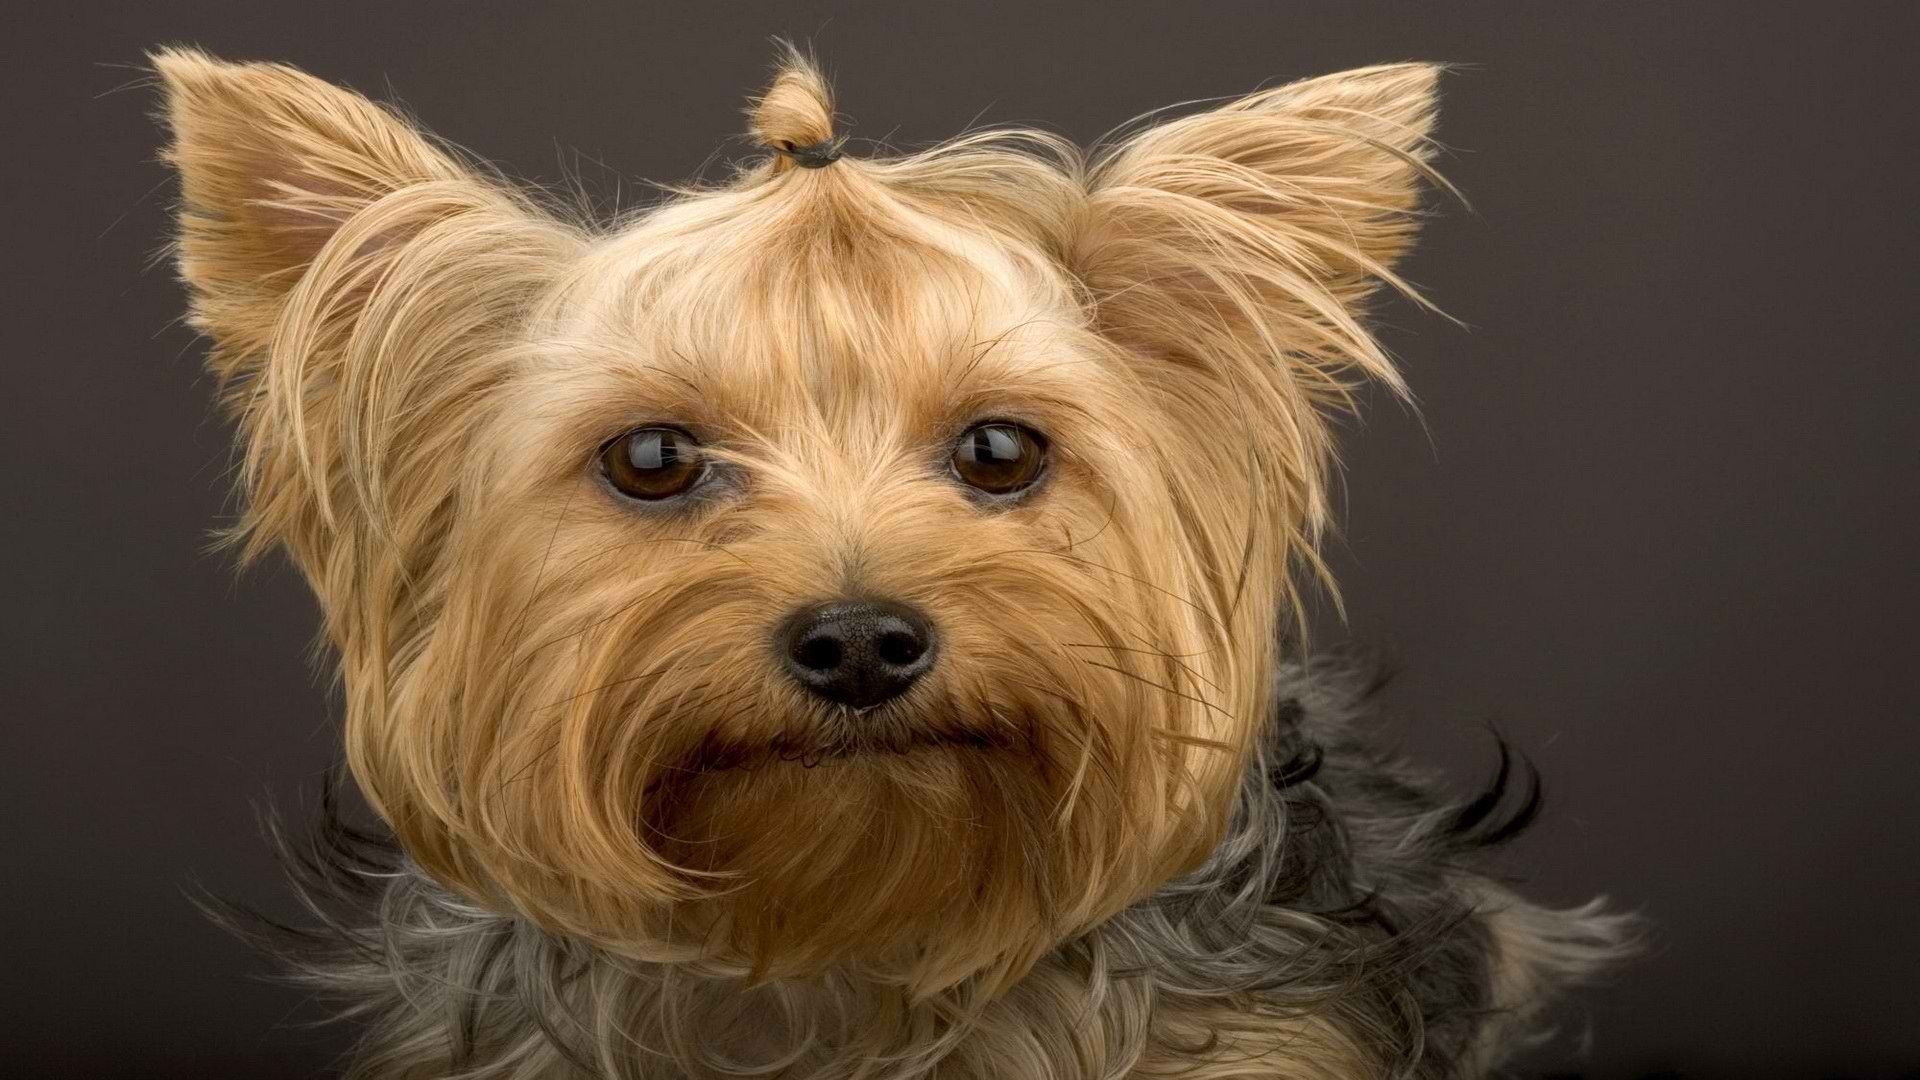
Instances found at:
x=818 y=652
x=900 y=647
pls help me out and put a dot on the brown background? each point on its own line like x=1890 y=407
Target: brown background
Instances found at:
x=1657 y=519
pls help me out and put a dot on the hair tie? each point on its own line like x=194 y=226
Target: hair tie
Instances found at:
x=813 y=155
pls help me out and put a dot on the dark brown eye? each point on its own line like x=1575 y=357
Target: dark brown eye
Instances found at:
x=652 y=463
x=1000 y=458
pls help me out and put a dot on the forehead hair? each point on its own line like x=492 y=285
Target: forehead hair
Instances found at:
x=829 y=277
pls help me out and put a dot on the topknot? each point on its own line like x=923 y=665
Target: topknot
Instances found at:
x=794 y=117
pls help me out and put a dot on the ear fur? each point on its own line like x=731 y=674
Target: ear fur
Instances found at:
x=1244 y=241
x=360 y=285
x=1298 y=200
x=272 y=162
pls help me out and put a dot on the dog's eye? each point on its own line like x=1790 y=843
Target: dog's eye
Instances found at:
x=1000 y=458
x=652 y=463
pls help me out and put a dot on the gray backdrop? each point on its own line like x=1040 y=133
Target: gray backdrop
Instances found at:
x=1656 y=518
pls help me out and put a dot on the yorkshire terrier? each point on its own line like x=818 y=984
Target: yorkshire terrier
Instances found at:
x=839 y=621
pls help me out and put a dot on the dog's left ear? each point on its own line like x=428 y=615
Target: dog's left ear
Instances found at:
x=1267 y=220
x=1231 y=253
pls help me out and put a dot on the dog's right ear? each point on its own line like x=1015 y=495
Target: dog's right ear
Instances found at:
x=273 y=163
x=357 y=280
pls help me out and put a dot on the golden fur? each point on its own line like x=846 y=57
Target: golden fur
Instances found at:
x=562 y=703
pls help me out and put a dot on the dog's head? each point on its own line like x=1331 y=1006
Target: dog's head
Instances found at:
x=873 y=560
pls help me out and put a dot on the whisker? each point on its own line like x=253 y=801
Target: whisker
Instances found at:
x=1164 y=689
x=1175 y=657
x=1119 y=573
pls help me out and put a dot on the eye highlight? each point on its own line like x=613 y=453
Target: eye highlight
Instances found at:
x=652 y=463
x=999 y=458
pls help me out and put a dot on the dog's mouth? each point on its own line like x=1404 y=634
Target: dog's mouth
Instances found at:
x=850 y=739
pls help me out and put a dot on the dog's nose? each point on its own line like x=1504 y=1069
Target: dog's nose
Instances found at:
x=857 y=652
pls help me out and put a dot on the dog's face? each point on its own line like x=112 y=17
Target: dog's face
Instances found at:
x=878 y=562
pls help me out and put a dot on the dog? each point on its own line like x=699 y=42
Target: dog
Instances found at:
x=843 y=620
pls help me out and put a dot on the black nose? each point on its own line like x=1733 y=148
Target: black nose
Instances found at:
x=857 y=652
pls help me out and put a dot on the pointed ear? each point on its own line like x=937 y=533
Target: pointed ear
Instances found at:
x=1269 y=218
x=361 y=286
x=1231 y=253
x=272 y=163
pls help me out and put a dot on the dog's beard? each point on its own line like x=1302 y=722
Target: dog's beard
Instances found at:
x=916 y=840
x=658 y=787
x=919 y=861
x=931 y=844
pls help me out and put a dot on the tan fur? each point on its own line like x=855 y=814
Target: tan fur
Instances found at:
x=554 y=697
